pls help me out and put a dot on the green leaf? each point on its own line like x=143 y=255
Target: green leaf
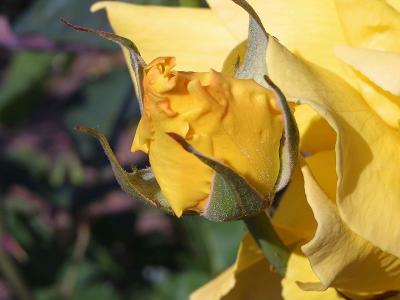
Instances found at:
x=23 y=85
x=214 y=245
x=140 y=184
x=98 y=291
x=18 y=228
x=104 y=100
x=35 y=164
x=104 y=107
x=190 y=3
x=231 y=197
x=180 y=286
x=43 y=17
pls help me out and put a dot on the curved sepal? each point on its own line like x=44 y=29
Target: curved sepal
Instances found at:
x=255 y=67
x=137 y=61
x=231 y=197
x=140 y=184
x=290 y=141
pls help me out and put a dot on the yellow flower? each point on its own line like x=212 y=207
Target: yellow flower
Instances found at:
x=340 y=60
x=236 y=122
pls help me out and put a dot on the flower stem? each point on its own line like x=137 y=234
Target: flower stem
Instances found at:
x=190 y=3
x=271 y=245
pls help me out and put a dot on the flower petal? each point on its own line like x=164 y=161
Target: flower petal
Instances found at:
x=370 y=24
x=376 y=72
x=299 y=270
x=394 y=3
x=325 y=163
x=142 y=136
x=381 y=67
x=311 y=128
x=375 y=25
x=217 y=288
x=293 y=23
x=252 y=278
x=177 y=171
x=293 y=213
x=194 y=35
x=244 y=126
x=337 y=253
x=367 y=149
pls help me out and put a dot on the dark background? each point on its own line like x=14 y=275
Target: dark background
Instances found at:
x=67 y=231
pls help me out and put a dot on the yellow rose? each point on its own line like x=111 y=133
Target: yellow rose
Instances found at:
x=339 y=60
x=236 y=122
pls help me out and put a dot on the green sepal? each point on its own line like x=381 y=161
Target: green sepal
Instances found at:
x=290 y=140
x=231 y=197
x=137 y=62
x=140 y=184
x=255 y=67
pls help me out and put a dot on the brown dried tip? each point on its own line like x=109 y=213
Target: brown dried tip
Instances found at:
x=90 y=131
x=104 y=34
x=76 y=27
x=107 y=35
x=181 y=141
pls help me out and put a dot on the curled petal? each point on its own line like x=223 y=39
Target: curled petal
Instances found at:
x=378 y=78
x=381 y=67
x=251 y=277
x=336 y=253
x=367 y=150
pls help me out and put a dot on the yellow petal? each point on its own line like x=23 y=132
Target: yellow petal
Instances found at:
x=142 y=136
x=383 y=68
x=247 y=137
x=316 y=46
x=394 y=3
x=367 y=149
x=233 y=17
x=311 y=128
x=325 y=164
x=373 y=24
x=309 y=28
x=336 y=253
x=253 y=278
x=293 y=213
x=370 y=24
x=217 y=288
x=177 y=172
x=194 y=35
x=378 y=75
x=299 y=270
x=250 y=278
x=233 y=121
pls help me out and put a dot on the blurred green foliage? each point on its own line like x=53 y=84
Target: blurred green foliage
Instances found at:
x=66 y=229
x=23 y=86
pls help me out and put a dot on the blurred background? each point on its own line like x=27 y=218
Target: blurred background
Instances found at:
x=67 y=231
